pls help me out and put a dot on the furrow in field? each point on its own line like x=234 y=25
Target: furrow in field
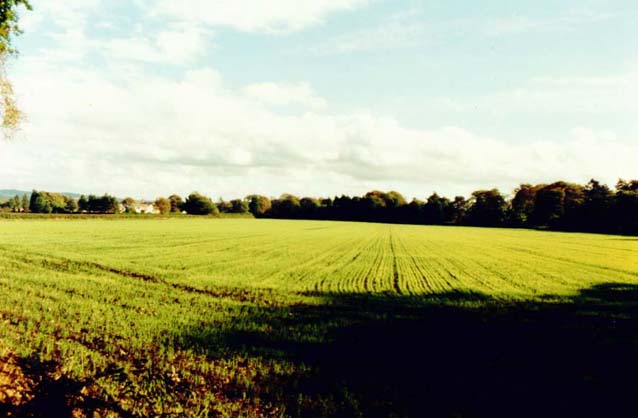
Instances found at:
x=367 y=263
x=431 y=265
x=420 y=283
x=396 y=284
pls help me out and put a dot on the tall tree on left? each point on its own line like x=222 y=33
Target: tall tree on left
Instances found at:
x=12 y=116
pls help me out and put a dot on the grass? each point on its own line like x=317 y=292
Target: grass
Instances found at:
x=240 y=317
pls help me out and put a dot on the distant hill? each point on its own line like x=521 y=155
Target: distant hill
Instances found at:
x=9 y=193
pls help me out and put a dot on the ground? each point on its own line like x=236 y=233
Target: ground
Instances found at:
x=240 y=317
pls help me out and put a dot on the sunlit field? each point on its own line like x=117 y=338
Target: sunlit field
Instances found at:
x=243 y=317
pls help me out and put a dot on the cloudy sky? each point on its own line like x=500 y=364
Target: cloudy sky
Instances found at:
x=322 y=97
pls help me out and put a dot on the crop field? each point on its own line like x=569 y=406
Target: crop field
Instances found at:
x=200 y=317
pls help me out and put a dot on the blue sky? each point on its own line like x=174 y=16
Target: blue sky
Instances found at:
x=229 y=97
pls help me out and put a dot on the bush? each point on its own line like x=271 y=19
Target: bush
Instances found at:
x=197 y=204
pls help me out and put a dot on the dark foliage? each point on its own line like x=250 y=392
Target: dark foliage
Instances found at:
x=102 y=204
x=197 y=204
x=558 y=206
x=561 y=206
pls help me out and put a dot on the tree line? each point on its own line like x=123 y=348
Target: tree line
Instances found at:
x=48 y=202
x=593 y=207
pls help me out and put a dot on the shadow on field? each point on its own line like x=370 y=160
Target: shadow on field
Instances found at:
x=36 y=389
x=448 y=355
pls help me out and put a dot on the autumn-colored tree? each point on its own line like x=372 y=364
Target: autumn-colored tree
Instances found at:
x=176 y=203
x=11 y=113
x=163 y=205
x=128 y=204
x=258 y=205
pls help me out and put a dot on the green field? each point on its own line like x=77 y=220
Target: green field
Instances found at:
x=240 y=317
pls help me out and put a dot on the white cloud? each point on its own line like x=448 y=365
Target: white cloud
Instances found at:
x=149 y=135
x=285 y=94
x=584 y=96
x=166 y=42
x=69 y=14
x=390 y=35
x=169 y=47
x=274 y=16
x=560 y=23
x=129 y=131
x=413 y=28
x=183 y=45
x=401 y=30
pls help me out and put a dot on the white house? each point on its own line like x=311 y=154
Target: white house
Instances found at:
x=144 y=208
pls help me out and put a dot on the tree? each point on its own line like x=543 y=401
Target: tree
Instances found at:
x=197 y=204
x=487 y=208
x=414 y=211
x=71 y=205
x=549 y=207
x=129 y=204
x=163 y=205
x=56 y=200
x=9 y=23
x=373 y=205
x=91 y=203
x=394 y=199
x=238 y=206
x=176 y=203
x=558 y=205
x=15 y=204
x=523 y=204
x=25 y=203
x=457 y=211
x=309 y=207
x=258 y=205
x=83 y=204
x=39 y=204
x=626 y=206
x=110 y=204
x=103 y=204
x=11 y=114
x=597 y=206
x=435 y=209
x=287 y=206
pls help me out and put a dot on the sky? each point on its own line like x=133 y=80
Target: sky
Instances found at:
x=147 y=98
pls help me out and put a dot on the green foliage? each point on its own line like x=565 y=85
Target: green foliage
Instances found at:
x=258 y=205
x=309 y=205
x=128 y=203
x=197 y=204
x=287 y=206
x=12 y=116
x=83 y=204
x=176 y=203
x=523 y=204
x=488 y=208
x=239 y=206
x=9 y=23
x=25 y=203
x=15 y=204
x=558 y=206
x=47 y=202
x=101 y=204
x=39 y=204
x=163 y=205
x=71 y=205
